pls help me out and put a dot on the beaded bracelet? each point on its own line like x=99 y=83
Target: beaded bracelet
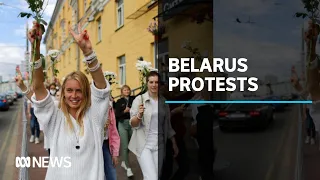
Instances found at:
x=96 y=67
x=37 y=64
x=27 y=91
x=90 y=58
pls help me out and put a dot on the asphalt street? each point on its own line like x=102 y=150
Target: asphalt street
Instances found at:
x=265 y=155
x=8 y=137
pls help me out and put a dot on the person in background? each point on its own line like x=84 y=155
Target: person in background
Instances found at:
x=202 y=128
x=313 y=77
x=34 y=124
x=123 y=106
x=150 y=120
x=178 y=125
x=57 y=98
x=310 y=127
x=111 y=144
x=53 y=90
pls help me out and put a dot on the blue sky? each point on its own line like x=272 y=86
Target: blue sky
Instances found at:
x=272 y=44
x=13 y=29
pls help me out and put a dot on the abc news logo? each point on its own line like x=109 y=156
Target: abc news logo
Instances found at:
x=43 y=162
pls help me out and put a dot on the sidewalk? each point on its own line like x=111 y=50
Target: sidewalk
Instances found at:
x=37 y=150
x=311 y=161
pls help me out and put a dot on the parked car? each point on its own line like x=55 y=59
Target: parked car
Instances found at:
x=14 y=94
x=245 y=115
x=4 y=105
x=19 y=94
x=276 y=106
x=9 y=98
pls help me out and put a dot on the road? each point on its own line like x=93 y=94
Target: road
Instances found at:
x=263 y=155
x=8 y=138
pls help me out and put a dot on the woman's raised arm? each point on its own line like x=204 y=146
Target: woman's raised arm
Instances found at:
x=35 y=36
x=84 y=43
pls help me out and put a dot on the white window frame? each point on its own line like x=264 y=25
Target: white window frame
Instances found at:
x=120 y=19
x=122 y=69
x=99 y=28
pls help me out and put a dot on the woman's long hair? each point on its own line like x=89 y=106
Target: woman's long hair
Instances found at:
x=85 y=103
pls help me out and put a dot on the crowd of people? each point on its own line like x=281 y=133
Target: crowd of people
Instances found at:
x=81 y=120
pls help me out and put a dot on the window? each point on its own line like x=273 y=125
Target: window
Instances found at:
x=99 y=30
x=120 y=13
x=122 y=70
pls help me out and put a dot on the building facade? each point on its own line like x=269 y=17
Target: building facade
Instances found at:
x=118 y=32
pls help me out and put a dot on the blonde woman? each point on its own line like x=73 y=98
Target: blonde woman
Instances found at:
x=123 y=106
x=152 y=128
x=75 y=131
x=313 y=77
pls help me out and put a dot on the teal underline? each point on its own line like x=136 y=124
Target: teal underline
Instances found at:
x=239 y=102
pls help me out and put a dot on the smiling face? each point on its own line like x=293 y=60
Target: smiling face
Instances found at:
x=125 y=91
x=73 y=94
x=153 y=84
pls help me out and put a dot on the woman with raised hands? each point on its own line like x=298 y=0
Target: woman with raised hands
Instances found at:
x=313 y=77
x=75 y=129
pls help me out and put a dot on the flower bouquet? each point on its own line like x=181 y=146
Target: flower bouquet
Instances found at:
x=144 y=69
x=111 y=77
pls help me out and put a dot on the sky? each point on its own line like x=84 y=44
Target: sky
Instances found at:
x=13 y=31
x=271 y=41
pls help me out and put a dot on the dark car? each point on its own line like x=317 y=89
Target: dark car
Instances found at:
x=4 y=105
x=276 y=106
x=13 y=94
x=245 y=115
x=9 y=98
x=19 y=94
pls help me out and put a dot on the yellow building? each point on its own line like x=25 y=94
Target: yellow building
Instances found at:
x=118 y=32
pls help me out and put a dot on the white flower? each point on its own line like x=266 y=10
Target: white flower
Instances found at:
x=153 y=69
x=141 y=65
x=108 y=73
x=53 y=53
